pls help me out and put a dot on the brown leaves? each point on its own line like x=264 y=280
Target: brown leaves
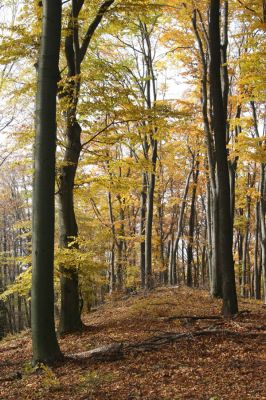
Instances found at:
x=217 y=366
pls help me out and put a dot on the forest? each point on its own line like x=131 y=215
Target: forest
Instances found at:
x=133 y=199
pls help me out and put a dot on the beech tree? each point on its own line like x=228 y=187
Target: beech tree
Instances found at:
x=75 y=53
x=147 y=169
x=225 y=228
x=44 y=341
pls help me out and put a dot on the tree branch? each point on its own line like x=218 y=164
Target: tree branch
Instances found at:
x=93 y=26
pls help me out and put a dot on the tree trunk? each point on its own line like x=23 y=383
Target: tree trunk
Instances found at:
x=70 y=311
x=149 y=219
x=212 y=200
x=244 y=274
x=120 y=259
x=112 y=280
x=257 y=275
x=44 y=341
x=172 y=272
x=191 y=225
x=224 y=201
x=216 y=282
x=70 y=320
x=262 y=191
x=143 y=204
x=150 y=100
x=263 y=225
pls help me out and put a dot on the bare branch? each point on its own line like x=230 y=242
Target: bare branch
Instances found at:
x=93 y=26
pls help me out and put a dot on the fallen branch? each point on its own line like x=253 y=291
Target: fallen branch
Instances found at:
x=163 y=304
x=192 y=317
x=116 y=351
x=202 y=317
x=156 y=341
x=241 y=313
x=104 y=353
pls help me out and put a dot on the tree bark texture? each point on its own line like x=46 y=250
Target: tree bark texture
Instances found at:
x=70 y=319
x=44 y=342
x=212 y=199
x=191 y=225
x=224 y=201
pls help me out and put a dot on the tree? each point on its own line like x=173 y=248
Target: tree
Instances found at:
x=14 y=256
x=129 y=139
x=219 y=128
x=44 y=341
x=212 y=203
x=75 y=53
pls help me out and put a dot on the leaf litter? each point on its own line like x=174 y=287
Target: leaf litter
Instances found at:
x=176 y=347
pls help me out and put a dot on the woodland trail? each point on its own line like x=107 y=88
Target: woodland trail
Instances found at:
x=175 y=346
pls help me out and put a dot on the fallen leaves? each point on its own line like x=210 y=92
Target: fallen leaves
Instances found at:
x=210 y=366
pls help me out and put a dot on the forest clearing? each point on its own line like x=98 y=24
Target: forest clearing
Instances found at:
x=230 y=364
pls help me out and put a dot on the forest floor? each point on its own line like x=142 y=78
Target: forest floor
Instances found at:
x=163 y=358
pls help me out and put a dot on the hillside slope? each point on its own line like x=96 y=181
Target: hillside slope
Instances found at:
x=213 y=358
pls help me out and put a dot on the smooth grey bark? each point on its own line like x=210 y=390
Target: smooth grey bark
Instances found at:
x=70 y=319
x=224 y=63
x=117 y=238
x=233 y=168
x=212 y=199
x=261 y=204
x=191 y=226
x=149 y=219
x=68 y=230
x=262 y=185
x=240 y=240
x=150 y=146
x=44 y=342
x=209 y=235
x=112 y=279
x=245 y=258
x=143 y=204
x=204 y=271
x=160 y=233
x=162 y=276
x=120 y=246
x=257 y=263
x=172 y=270
x=230 y=306
x=216 y=282
x=205 y=265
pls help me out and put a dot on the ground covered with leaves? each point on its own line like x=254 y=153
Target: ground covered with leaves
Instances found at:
x=175 y=346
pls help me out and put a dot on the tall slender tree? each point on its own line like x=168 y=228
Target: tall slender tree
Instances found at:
x=212 y=198
x=75 y=53
x=224 y=200
x=44 y=341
